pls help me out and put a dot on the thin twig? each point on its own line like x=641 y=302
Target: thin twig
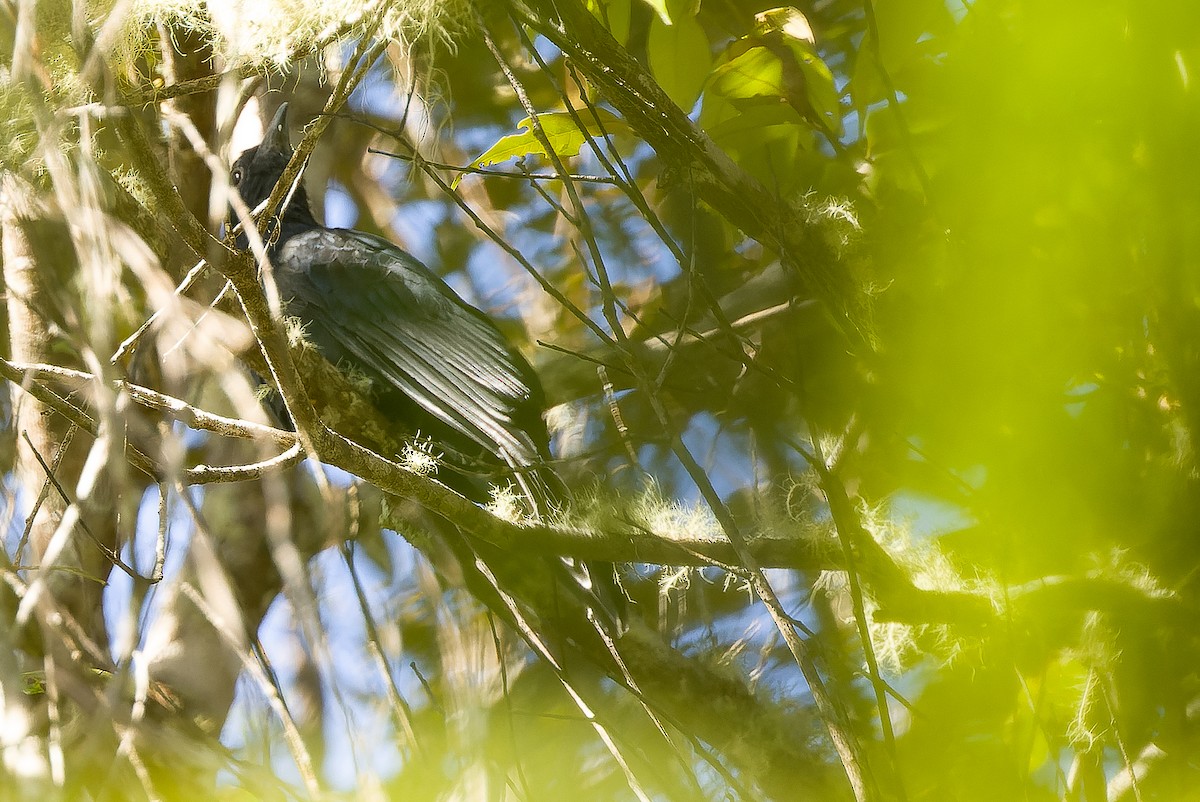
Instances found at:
x=536 y=642
x=55 y=462
x=110 y=554
x=894 y=103
x=207 y=474
x=181 y=288
x=402 y=714
x=486 y=171
x=186 y=413
x=272 y=343
x=850 y=532
x=48 y=397
x=580 y=217
x=234 y=643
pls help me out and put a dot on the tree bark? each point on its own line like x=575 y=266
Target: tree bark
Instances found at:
x=37 y=257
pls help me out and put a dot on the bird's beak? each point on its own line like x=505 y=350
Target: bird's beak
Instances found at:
x=276 y=136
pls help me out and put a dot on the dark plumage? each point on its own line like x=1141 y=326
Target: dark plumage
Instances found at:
x=436 y=365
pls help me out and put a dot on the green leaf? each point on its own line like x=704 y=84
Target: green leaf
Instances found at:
x=756 y=72
x=679 y=58
x=660 y=8
x=822 y=91
x=786 y=20
x=749 y=119
x=564 y=136
x=866 y=82
x=615 y=14
x=778 y=67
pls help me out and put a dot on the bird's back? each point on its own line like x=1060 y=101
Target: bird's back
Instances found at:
x=435 y=364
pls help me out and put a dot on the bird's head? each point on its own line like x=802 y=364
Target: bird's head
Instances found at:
x=255 y=173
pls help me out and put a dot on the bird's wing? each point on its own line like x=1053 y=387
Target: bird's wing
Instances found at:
x=398 y=322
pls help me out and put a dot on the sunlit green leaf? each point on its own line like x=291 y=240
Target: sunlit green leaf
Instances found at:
x=787 y=20
x=680 y=59
x=779 y=68
x=754 y=73
x=561 y=130
x=751 y=118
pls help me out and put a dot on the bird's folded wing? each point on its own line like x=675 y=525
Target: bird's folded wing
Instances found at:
x=404 y=324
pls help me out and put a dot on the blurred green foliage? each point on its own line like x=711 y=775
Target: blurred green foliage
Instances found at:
x=1025 y=179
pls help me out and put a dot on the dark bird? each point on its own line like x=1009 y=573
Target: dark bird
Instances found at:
x=436 y=365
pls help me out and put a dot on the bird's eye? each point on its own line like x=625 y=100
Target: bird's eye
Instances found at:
x=237 y=176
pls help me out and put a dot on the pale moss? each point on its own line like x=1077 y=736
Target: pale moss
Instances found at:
x=835 y=217
x=297 y=334
x=506 y=503
x=418 y=456
x=264 y=391
x=927 y=567
x=133 y=183
x=268 y=34
x=16 y=124
x=679 y=578
x=362 y=384
x=598 y=508
x=670 y=519
x=1116 y=565
x=839 y=210
x=55 y=60
x=1082 y=673
x=926 y=564
x=739 y=583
